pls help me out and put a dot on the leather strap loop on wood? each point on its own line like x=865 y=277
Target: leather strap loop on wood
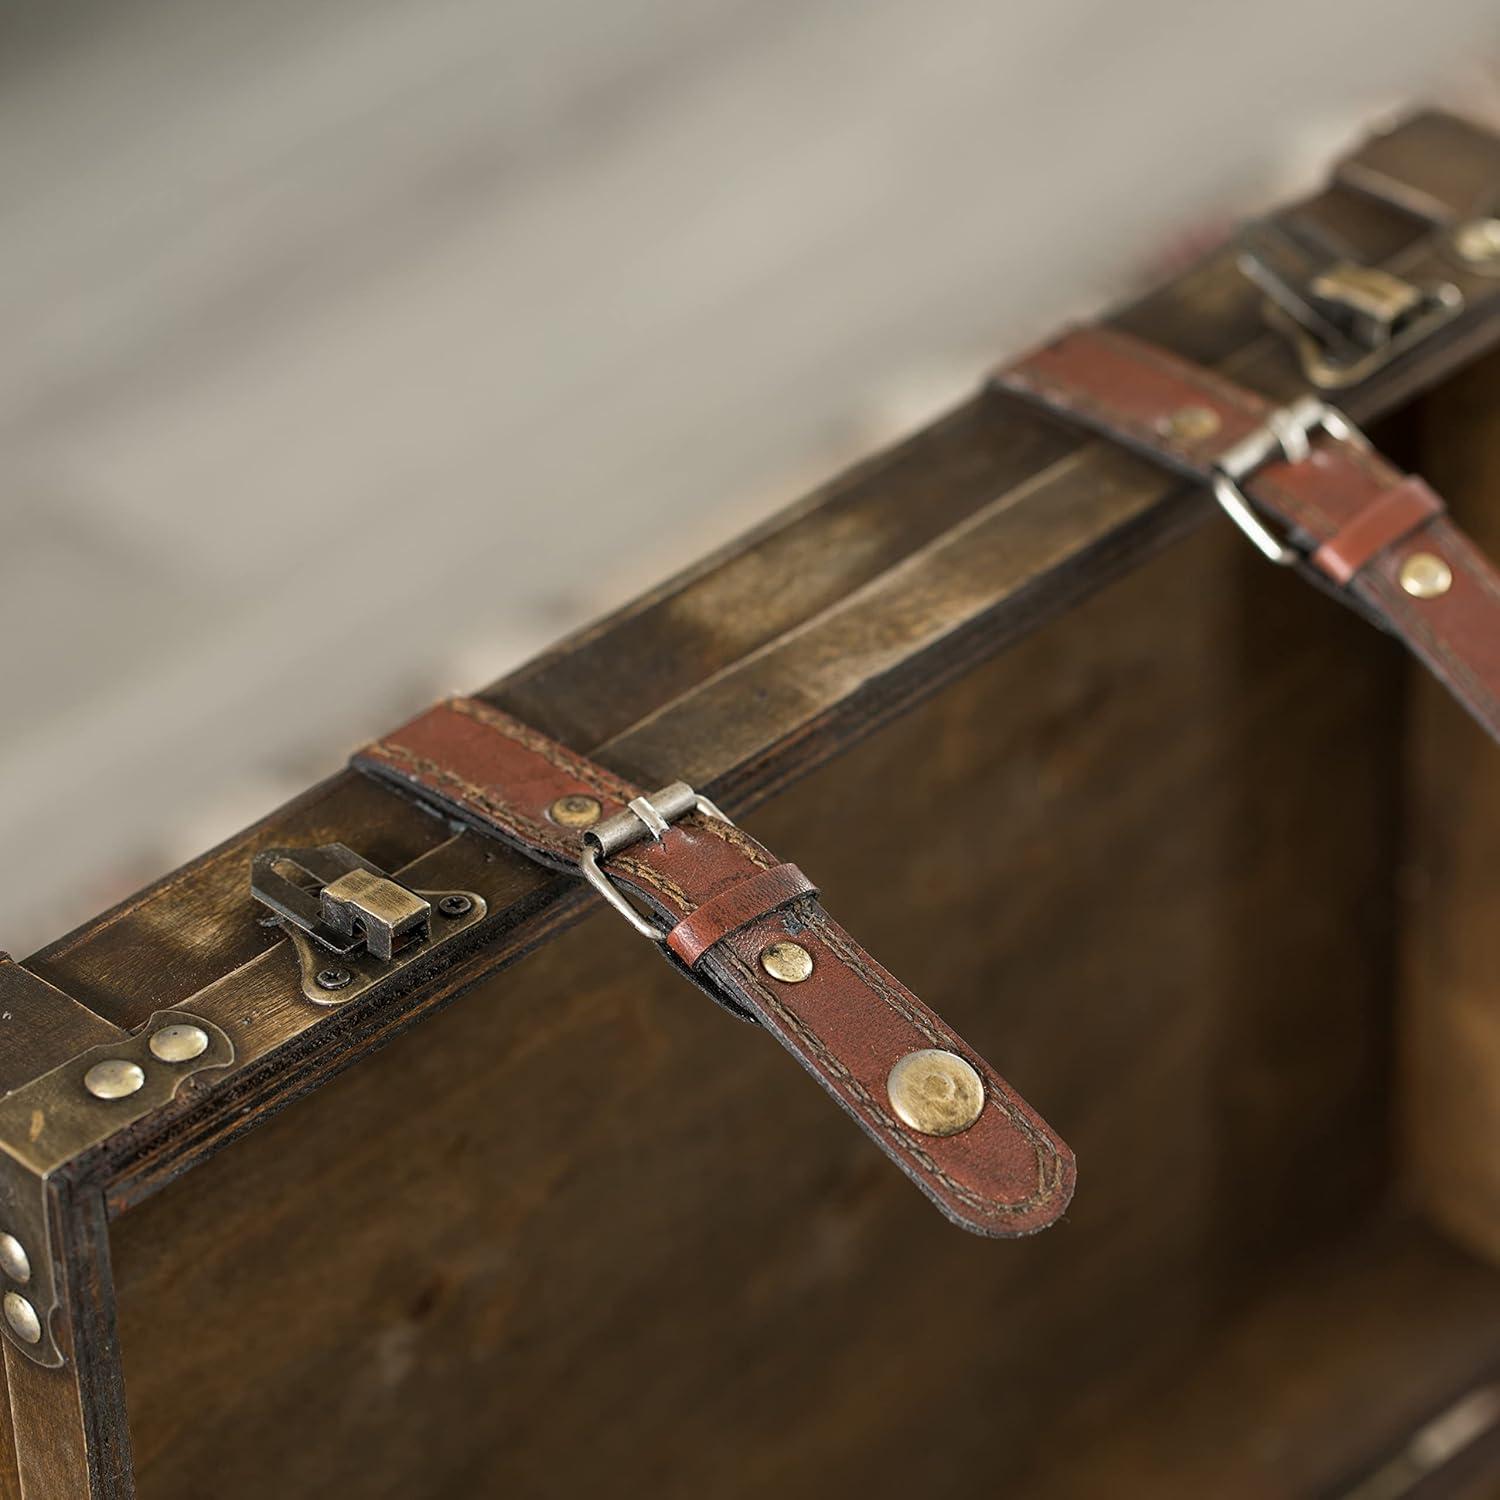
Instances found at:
x=1391 y=516
x=1356 y=520
x=725 y=901
x=746 y=900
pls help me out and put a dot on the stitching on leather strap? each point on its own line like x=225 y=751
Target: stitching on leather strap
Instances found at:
x=1047 y=1161
x=756 y=891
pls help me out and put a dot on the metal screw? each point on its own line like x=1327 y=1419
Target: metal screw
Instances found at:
x=791 y=963
x=575 y=811
x=21 y=1316
x=455 y=906
x=334 y=979
x=14 y=1261
x=1478 y=241
x=114 y=1078
x=1424 y=575
x=935 y=1092
x=1191 y=424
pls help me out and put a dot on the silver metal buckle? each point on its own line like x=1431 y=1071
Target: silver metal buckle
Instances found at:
x=1290 y=430
x=649 y=816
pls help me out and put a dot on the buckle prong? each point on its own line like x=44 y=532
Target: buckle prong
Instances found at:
x=1287 y=431
x=644 y=817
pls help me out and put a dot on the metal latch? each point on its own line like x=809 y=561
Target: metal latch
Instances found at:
x=1346 y=320
x=333 y=902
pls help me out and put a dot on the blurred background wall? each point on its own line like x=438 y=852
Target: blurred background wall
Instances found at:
x=351 y=351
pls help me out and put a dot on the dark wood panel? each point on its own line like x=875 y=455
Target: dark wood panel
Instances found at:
x=582 y=1226
x=1450 y=1018
x=1309 y=1390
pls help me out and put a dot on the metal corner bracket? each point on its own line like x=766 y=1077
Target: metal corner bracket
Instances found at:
x=55 y=1119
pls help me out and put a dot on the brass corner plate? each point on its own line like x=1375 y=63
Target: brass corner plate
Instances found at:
x=53 y=1120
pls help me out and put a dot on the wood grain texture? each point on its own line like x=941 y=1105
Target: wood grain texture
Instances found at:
x=1294 y=1397
x=1450 y=1015
x=69 y=1427
x=583 y=1201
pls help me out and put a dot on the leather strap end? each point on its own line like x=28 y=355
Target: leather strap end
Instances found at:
x=725 y=902
x=849 y=1023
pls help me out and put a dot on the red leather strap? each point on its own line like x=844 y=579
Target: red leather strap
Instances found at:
x=725 y=901
x=1395 y=514
x=1356 y=520
x=755 y=896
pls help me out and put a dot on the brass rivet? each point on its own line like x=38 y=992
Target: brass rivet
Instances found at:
x=575 y=811
x=1478 y=241
x=21 y=1316
x=935 y=1092
x=1191 y=424
x=114 y=1079
x=179 y=1043
x=791 y=963
x=14 y=1261
x=1424 y=575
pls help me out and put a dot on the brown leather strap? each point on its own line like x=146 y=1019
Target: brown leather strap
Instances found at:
x=1381 y=537
x=737 y=906
x=725 y=901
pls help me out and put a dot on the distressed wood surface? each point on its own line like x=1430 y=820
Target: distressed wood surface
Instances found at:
x=585 y=1202
x=69 y=1425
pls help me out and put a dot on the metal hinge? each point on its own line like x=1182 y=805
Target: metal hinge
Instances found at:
x=1346 y=320
x=352 y=924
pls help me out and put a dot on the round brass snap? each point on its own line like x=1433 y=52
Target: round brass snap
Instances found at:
x=1424 y=575
x=179 y=1042
x=1478 y=242
x=575 y=811
x=935 y=1092
x=14 y=1261
x=791 y=963
x=1191 y=424
x=114 y=1078
x=21 y=1316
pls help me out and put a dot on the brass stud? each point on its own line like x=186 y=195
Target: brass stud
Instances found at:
x=21 y=1316
x=1191 y=424
x=575 y=811
x=14 y=1261
x=1478 y=242
x=791 y=963
x=114 y=1078
x=179 y=1043
x=935 y=1092
x=1424 y=575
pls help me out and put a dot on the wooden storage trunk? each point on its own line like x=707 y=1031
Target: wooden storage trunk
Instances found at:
x=1190 y=851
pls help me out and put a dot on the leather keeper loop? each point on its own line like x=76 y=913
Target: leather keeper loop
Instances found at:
x=737 y=907
x=1397 y=513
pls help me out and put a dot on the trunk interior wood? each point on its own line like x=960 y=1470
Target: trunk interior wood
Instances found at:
x=557 y=1206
